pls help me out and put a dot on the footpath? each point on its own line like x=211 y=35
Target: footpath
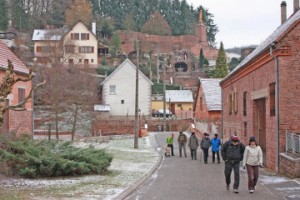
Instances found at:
x=185 y=179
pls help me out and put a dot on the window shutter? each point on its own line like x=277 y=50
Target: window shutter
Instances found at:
x=92 y=49
x=79 y=48
x=72 y=36
x=88 y=36
x=235 y=102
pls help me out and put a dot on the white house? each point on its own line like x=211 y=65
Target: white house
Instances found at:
x=119 y=91
x=77 y=45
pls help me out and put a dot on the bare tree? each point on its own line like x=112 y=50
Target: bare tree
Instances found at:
x=8 y=81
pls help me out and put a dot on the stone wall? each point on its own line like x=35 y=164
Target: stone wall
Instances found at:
x=290 y=165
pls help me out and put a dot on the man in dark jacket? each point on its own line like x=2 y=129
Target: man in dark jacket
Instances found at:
x=182 y=143
x=205 y=144
x=232 y=153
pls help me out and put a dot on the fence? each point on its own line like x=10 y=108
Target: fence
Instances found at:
x=292 y=142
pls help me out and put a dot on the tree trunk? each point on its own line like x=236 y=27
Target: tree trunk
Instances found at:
x=56 y=123
x=74 y=122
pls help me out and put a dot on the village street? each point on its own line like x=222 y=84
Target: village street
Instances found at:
x=181 y=178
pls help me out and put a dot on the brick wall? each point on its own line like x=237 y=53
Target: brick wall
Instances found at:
x=289 y=165
x=206 y=121
x=114 y=126
x=256 y=83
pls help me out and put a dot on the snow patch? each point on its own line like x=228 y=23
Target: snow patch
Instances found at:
x=272 y=179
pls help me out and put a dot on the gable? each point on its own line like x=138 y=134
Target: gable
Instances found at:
x=122 y=69
x=80 y=27
x=212 y=93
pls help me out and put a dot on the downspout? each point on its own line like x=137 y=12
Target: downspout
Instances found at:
x=276 y=103
x=222 y=111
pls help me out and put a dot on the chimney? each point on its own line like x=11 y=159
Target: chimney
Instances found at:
x=296 y=5
x=283 y=12
x=94 y=30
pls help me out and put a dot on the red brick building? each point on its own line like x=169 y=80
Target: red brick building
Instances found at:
x=17 y=122
x=208 y=106
x=261 y=96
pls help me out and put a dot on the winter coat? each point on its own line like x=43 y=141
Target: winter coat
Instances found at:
x=169 y=140
x=253 y=156
x=182 y=139
x=215 y=144
x=232 y=152
x=205 y=143
x=193 y=142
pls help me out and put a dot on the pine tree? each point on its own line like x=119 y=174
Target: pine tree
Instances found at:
x=4 y=17
x=221 y=65
x=201 y=60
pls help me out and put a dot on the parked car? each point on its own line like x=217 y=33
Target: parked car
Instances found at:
x=160 y=113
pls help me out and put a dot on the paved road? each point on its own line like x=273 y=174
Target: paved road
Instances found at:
x=186 y=179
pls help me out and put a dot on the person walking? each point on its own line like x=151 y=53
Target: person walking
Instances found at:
x=205 y=144
x=170 y=140
x=232 y=153
x=215 y=143
x=253 y=159
x=182 y=143
x=193 y=144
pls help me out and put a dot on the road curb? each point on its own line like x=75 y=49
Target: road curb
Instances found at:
x=137 y=184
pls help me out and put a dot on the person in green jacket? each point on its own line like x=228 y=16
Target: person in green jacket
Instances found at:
x=170 y=140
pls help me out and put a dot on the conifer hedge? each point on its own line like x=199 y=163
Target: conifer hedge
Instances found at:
x=33 y=159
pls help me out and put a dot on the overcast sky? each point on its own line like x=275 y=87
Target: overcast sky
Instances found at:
x=244 y=22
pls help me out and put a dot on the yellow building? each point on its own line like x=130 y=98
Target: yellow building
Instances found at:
x=176 y=100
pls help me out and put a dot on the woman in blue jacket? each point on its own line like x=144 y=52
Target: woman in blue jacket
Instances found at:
x=215 y=143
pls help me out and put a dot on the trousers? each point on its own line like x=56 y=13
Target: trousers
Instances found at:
x=235 y=166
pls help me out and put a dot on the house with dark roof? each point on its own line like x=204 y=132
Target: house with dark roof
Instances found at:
x=261 y=95
x=16 y=122
x=208 y=106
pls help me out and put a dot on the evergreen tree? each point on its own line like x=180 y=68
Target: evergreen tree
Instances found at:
x=4 y=17
x=201 y=60
x=221 y=65
x=19 y=16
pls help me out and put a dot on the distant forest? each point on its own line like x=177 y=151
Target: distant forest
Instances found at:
x=110 y=15
x=238 y=50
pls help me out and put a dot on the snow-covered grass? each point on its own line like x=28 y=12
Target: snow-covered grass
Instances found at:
x=128 y=166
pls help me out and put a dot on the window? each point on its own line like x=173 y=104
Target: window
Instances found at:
x=122 y=101
x=112 y=89
x=245 y=104
x=235 y=102
x=92 y=60
x=179 y=105
x=70 y=48
x=71 y=61
x=86 y=49
x=21 y=95
x=74 y=36
x=80 y=61
x=201 y=106
x=38 y=49
x=230 y=104
x=85 y=36
x=245 y=129
x=272 y=99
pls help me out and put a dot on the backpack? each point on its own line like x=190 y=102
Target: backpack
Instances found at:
x=182 y=138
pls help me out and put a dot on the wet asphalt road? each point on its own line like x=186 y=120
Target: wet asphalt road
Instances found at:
x=185 y=179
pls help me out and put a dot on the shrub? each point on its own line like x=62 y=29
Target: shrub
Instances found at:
x=33 y=159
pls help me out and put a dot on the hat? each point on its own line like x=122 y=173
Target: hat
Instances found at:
x=252 y=139
x=206 y=134
x=235 y=138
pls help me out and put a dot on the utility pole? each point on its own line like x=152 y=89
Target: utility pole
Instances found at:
x=136 y=128
x=157 y=71
x=164 y=92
